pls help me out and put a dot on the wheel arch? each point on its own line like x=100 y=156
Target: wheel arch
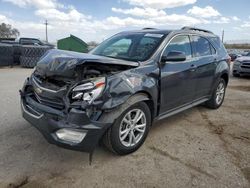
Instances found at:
x=140 y=96
x=225 y=76
x=149 y=102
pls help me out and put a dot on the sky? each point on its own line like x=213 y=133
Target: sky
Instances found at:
x=96 y=20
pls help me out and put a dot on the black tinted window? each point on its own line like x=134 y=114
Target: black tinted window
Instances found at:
x=30 y=41
x=201 y=46
x=131 y=46
x=217 y=41
x=181 y=44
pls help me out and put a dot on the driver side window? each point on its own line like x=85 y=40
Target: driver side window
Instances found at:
x=181 y=44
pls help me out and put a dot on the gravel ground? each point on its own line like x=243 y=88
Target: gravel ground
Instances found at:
x=196 y=148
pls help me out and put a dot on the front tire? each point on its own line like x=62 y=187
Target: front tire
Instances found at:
x=218 y=95
x=130 y=130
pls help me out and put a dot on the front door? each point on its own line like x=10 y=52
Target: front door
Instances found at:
x=177 y=77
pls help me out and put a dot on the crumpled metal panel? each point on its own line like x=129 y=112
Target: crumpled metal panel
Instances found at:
x=119 y=87
x=63 y=63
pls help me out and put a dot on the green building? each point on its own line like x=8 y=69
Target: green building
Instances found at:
x=72 y=43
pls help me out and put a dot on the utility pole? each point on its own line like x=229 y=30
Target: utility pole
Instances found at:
x=222 y=36
x=46 y=29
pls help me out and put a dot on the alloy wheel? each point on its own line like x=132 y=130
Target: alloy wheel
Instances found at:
x=132 y=127
x=220 y=91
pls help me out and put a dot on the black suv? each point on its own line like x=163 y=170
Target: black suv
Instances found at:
x=116 y=91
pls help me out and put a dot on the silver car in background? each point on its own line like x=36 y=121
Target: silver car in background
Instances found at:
x=242 y=65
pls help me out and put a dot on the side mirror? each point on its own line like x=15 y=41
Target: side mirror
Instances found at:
x=173 y=56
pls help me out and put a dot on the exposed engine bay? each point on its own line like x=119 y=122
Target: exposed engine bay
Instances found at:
x=83 y=72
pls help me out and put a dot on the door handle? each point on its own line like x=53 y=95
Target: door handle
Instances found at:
x=193 y=67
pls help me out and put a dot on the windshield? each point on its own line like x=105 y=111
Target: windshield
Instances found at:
x=132 y=47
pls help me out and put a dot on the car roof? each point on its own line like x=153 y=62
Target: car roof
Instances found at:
x=188 y=30
x=148 y=30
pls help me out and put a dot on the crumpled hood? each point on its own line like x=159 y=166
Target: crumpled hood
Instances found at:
x=63 y=63
x=243 y=58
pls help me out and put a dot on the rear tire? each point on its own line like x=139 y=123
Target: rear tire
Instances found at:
x=218 y=95
x=117 y=138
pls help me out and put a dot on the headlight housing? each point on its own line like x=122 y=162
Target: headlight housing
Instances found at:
x=89 y=91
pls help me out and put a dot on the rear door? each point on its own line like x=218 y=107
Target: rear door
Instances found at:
x=205 y=60
x=177 y=83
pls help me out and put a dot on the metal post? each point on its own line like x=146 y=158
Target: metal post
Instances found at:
x=222 y=37
x=46 y=27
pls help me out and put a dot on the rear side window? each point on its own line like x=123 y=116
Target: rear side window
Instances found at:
x=179 y=43
x=202 y=47
x=213 y=51
x=219 y=45
x=217 y=41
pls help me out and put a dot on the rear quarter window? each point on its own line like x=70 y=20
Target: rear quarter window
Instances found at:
x=213 y=51
x=218 y=44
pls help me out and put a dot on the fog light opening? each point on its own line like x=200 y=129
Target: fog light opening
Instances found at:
x=69 y=135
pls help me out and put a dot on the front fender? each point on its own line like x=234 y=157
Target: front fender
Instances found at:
x=122 y=86
x=111 y=116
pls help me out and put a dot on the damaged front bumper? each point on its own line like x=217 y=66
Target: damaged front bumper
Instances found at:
x=72 y=130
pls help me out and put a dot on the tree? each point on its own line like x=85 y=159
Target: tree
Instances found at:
x=92 y=43
x=6 y=31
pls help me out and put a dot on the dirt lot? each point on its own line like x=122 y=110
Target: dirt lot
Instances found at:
x=197 y=148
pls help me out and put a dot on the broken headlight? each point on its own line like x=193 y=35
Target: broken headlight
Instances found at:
x=89 y=91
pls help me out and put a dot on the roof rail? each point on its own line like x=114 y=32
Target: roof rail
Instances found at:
x=196 y=29
x=146 y=28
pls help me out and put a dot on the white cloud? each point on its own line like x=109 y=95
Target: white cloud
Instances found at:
x=237 y=28
x=40 y=4
x=173 y=19
x=160 y=4
x=235 y=18
x=66 y=19
x=27 y=29
x=245 y=25
x=222 y=20
x=62 y=24
x=176 y=19
x=158 y=17
x=3 y=19
x=125 y=22
x=205 y=12
x=140 y=12
x=55 y=14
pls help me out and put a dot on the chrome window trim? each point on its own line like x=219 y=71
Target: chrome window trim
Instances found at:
x=189 y=35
